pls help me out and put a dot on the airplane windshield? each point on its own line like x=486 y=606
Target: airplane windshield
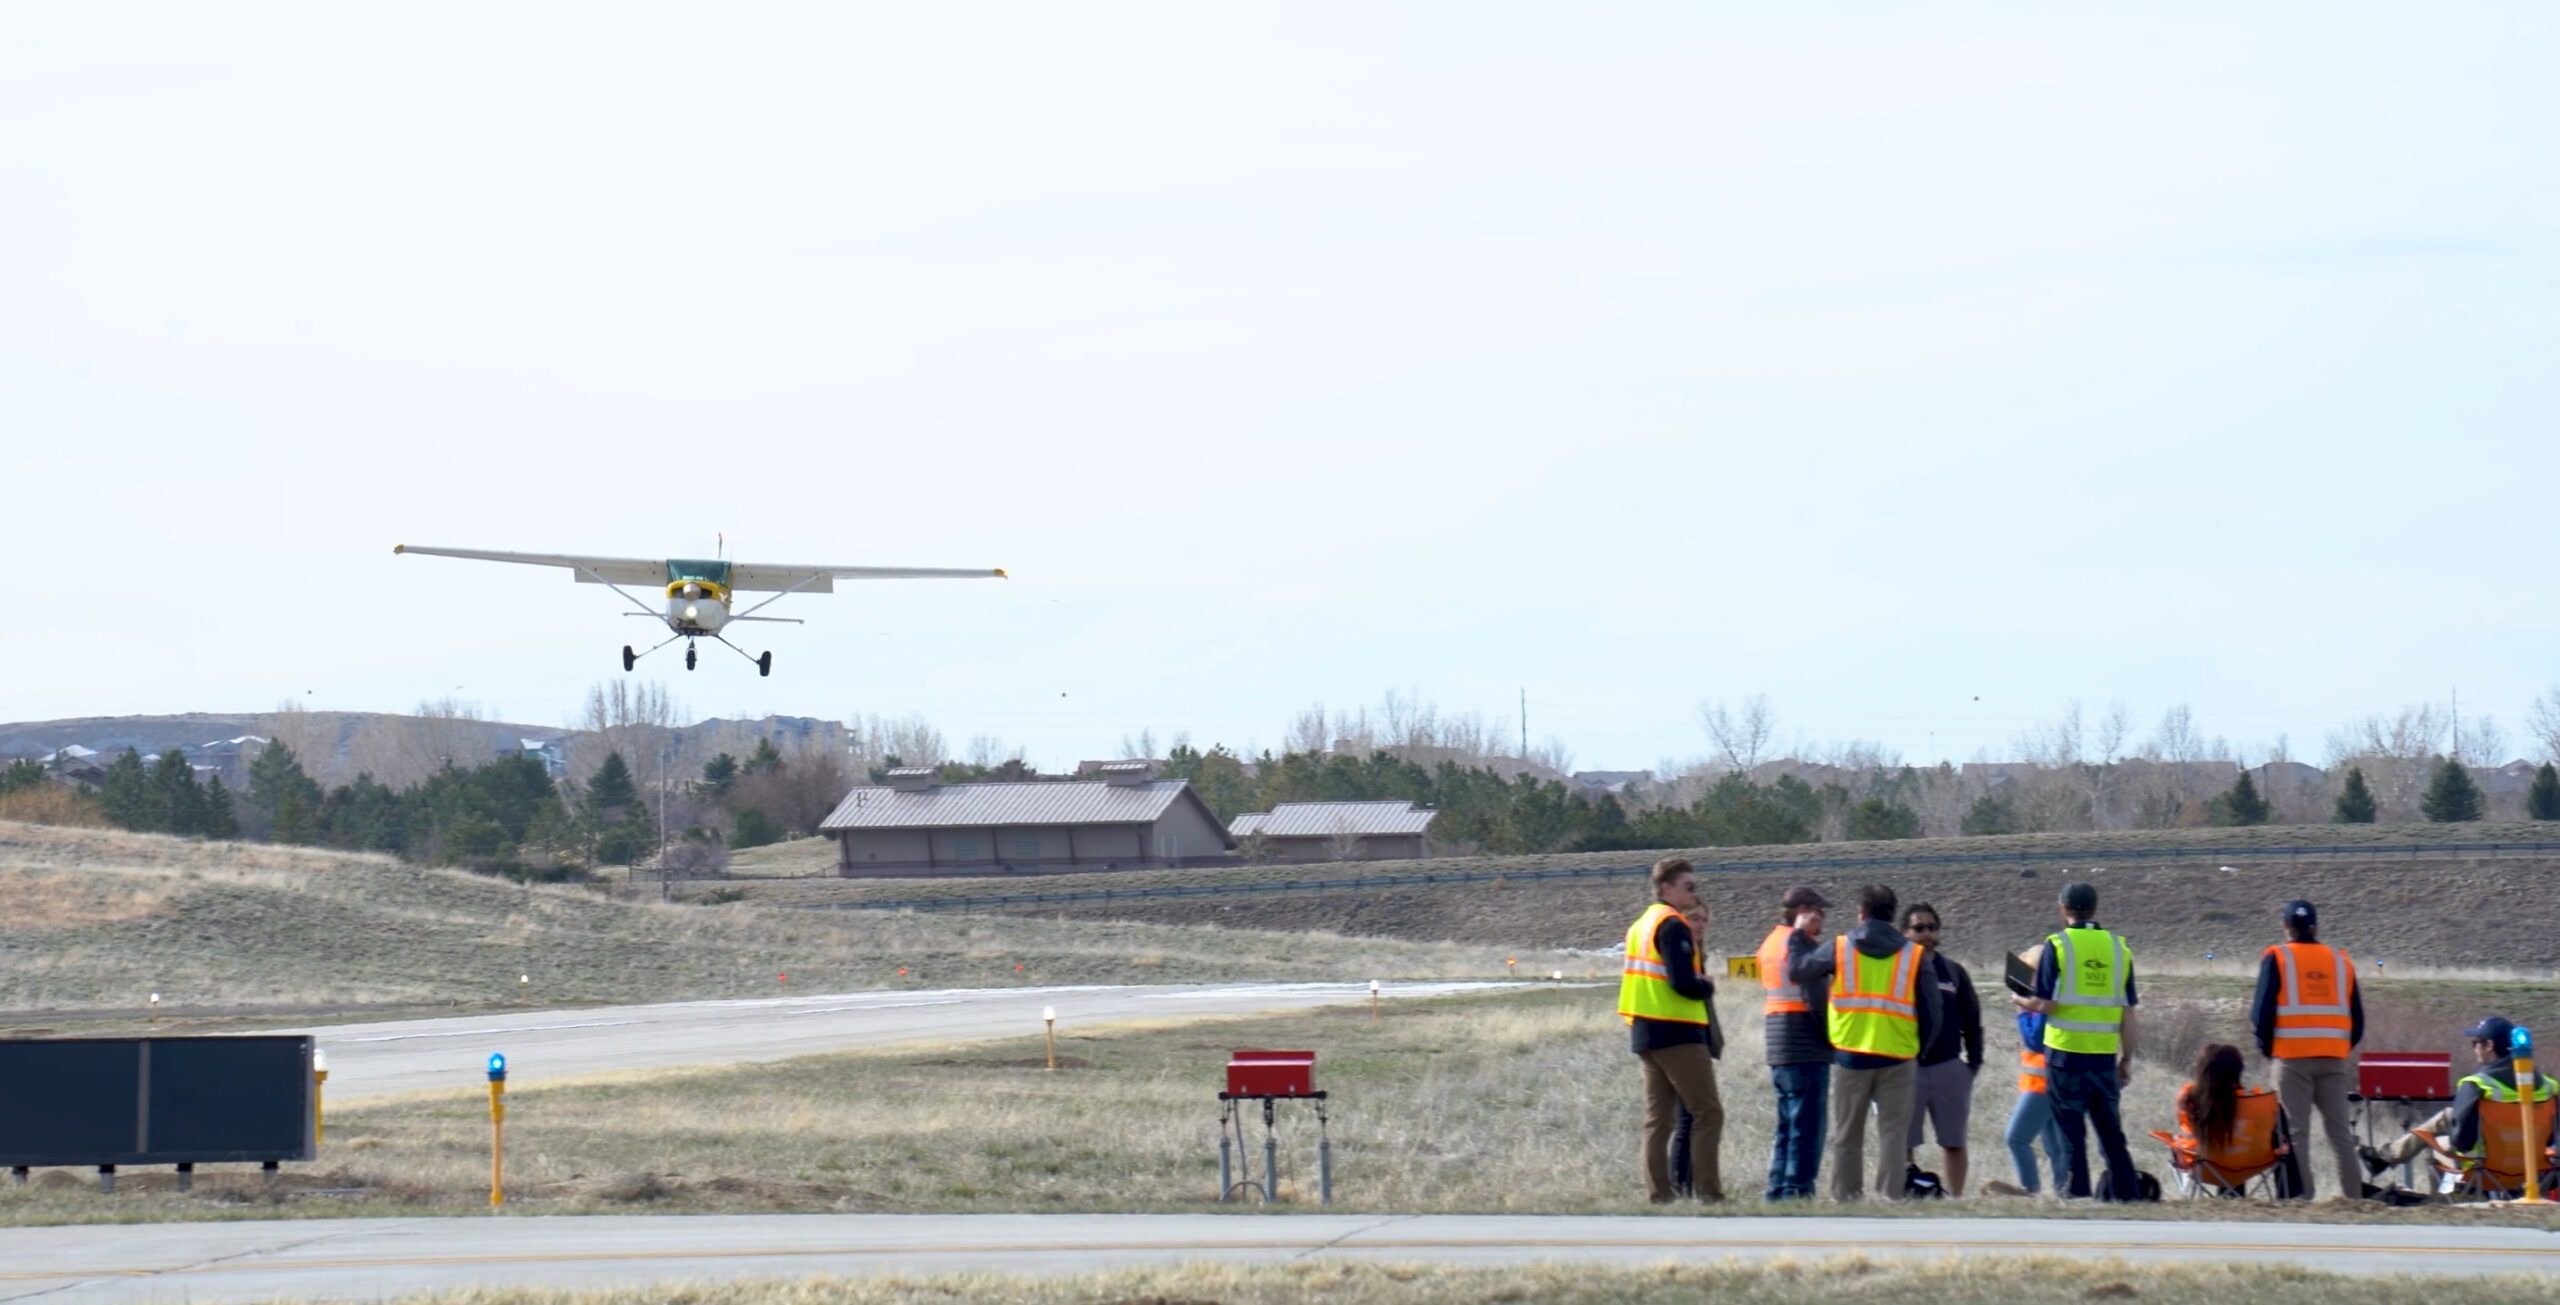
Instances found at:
x=679 y=569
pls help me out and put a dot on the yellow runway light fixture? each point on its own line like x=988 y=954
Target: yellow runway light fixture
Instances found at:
x=155 y=1008
x=2521 y=1043
x=1049 y=1019
x=319 y=1080
x=1373 y=1001
x=497 y=1130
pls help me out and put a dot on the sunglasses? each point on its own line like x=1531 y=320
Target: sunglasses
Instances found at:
x=1918 y=927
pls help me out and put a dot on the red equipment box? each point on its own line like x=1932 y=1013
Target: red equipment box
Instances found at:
x=1271 y=1074
x=2405 y=1076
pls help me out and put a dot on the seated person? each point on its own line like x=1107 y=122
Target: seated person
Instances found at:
x=2236 y=1131
x=2458 y=1126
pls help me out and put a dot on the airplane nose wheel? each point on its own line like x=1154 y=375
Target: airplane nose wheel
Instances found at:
x=688 y=657
x=764 y=664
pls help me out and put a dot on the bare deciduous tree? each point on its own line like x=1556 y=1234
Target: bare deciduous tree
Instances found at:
x=637 y=720
x=1739 y=736
x=2543 y=722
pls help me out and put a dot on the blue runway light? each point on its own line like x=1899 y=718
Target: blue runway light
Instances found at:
x=2520 y=1043
x=497 y=1068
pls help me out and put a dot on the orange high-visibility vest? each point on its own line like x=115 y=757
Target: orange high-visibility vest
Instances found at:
x=1783 y=997
x=2030 y=1069
x=2315 y=986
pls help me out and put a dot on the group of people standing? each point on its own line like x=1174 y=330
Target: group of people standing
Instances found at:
x=1876 y=1020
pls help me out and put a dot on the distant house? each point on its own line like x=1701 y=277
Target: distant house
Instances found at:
x=552 y=753
x=1299 y=832
x=1593 y=783
x=917 y=825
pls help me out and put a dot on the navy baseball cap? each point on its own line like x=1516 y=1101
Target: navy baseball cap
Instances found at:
x=2497 y=1028
x=2298 y=911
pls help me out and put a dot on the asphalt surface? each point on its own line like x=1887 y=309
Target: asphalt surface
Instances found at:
x=404 y=1056
x=374 y=1258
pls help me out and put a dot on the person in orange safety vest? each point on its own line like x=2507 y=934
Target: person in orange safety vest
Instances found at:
x=2308 y=1014
x=1799 y=1046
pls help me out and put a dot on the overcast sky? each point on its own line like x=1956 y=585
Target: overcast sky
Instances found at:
x=1921 y=367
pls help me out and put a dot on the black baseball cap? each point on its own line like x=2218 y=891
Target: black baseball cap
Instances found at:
x=1802 y=896
x=2299 y=911
x=2497 y=1029
x=2080 y=897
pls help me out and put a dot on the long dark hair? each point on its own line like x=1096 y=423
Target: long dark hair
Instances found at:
x=2213 y=1098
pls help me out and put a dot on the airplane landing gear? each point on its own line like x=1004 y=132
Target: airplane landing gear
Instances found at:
x=628 y=658
x=764 y=664
x=688 y=657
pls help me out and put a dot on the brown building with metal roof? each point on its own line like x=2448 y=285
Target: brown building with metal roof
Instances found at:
x=917 y=825
x=1301 y=832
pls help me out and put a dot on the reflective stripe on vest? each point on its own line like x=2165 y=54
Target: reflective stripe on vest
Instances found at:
x=1782 y=996
x=1875 y=1001
x=2091 y=966
x=2314 y=985
x=2505 y=1094
x=2030 y=1070
x=1644 y=985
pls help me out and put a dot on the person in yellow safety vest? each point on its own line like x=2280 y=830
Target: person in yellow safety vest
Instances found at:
x=1879 y=1015
x=1664 y=996
x=2308 y=1014
x=2084 y=990
x=1798 y=1044
x=2458 y=1125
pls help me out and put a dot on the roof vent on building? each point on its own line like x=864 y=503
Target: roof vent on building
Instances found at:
x=914 y=779
x=1127 y=774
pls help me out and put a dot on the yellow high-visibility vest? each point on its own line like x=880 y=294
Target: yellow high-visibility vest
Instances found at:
x=2091 y=968
x=1644 y=986
x=1875 y=1001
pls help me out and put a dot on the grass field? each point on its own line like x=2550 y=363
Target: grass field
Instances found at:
x=1979 y=1280
x=93 y=921
x=1522 y=1102
x=2449 y=910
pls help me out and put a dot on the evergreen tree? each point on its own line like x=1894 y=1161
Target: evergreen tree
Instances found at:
x=176 y=804
x=2242 y=805
x=2452 y=796
x=283 y=800
x=611 y=792
x=220 y=820
x=1877 y=818
x=2542 y=802
x=125 y=794
x=719 y=773
x=2355 y=801
x=21 y=776
x=767 y=759
x=754 y=828
x=1990 y=815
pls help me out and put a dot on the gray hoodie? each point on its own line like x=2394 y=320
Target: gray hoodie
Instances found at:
x=1877 y=939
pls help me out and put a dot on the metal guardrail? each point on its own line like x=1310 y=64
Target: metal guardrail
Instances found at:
x=1231 y=887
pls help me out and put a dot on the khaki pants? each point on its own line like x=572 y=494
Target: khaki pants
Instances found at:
x=1674 y=1077
x=2407 y=1147
x=1852 y=1092
x=2321 y=1083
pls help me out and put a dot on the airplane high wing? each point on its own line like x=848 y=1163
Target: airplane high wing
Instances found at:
x=821 y=579
x=699 y=590
x=591 y=570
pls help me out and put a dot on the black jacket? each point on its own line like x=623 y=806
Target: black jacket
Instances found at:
x=1961 y=1030
x=1875 y=939
x=2262 y=1008
x=1680 y=956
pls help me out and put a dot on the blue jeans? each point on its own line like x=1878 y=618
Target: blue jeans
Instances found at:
x=1803 y=1112
x=2086 y=1095
x=2030 y=1122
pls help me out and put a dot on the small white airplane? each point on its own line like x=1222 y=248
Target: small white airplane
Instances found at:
x=699 y=591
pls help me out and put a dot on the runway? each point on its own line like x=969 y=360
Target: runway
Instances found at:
x=392 y=1058
x=373 y=1258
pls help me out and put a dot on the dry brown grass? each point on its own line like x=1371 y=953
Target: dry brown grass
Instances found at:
x=1521 y=1102
x=1973 y=1280
x=92 y=921
x=52 y=805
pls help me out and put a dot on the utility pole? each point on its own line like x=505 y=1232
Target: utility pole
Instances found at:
x=2457 y=723
x=1524 y=725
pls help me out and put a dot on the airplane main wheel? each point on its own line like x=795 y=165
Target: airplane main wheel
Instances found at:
x=688 y=659
x=764 y=664
x=628 y=657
